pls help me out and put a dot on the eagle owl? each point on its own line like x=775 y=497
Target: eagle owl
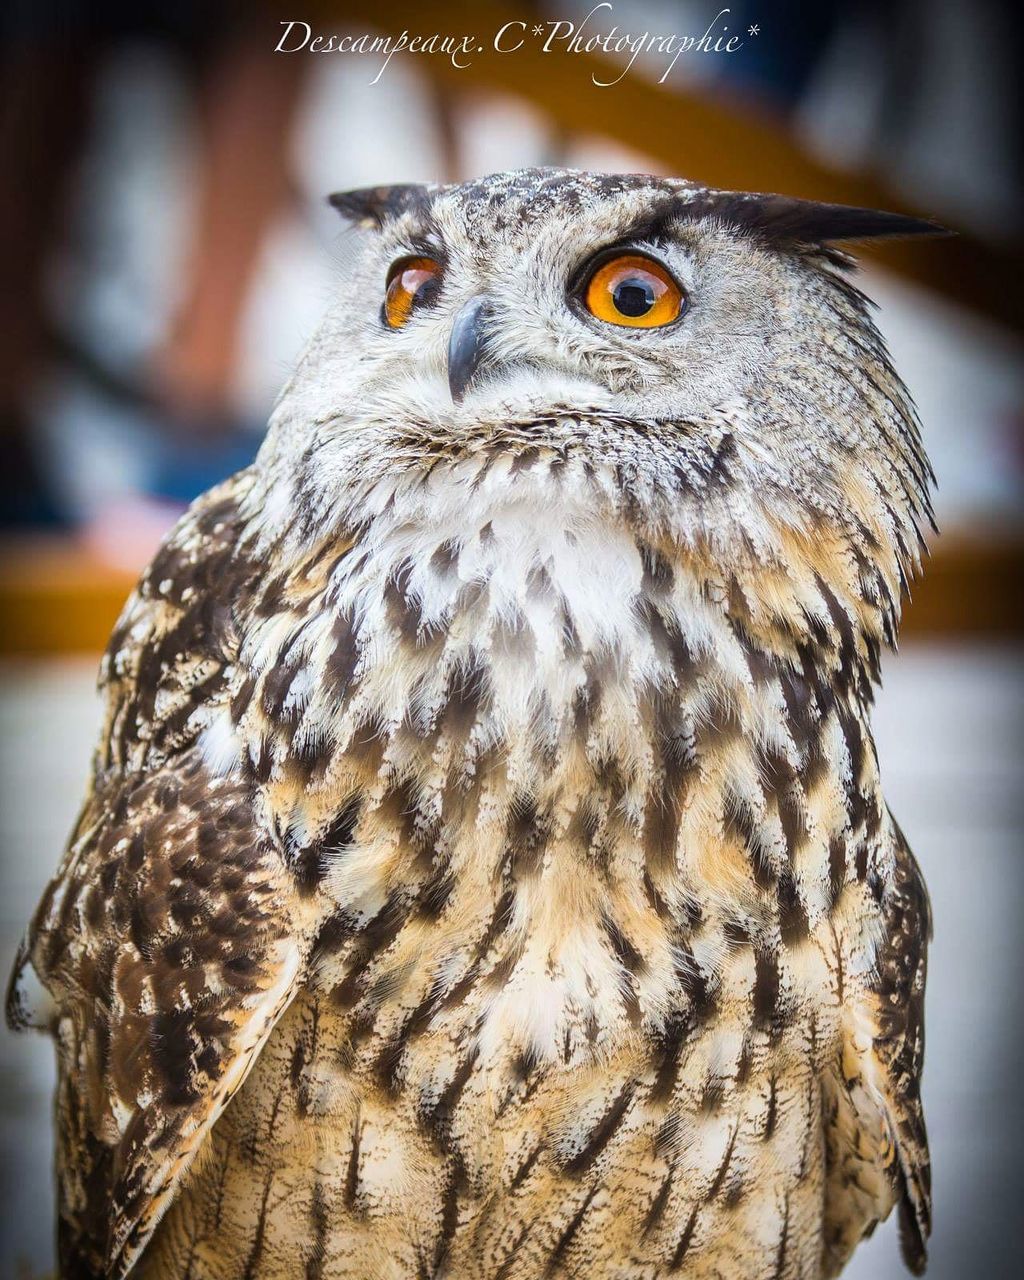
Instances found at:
x=485 y=873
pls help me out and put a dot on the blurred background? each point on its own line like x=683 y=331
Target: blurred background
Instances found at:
x=167 y=251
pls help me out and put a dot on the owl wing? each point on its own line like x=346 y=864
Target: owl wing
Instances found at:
x=169 y=942
x=877 y=1145
x=168 y=947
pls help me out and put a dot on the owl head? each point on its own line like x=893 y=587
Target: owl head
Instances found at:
x=698 y=357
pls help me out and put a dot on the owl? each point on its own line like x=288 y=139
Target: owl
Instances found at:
x=485 y=873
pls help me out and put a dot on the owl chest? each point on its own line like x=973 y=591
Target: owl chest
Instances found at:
x=548 y=792
x=580 y=939
x=547 y=832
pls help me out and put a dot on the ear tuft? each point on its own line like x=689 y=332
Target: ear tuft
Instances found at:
x=372 y=206
x=790 y=220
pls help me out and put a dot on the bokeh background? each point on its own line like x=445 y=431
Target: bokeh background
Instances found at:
x=166 y=250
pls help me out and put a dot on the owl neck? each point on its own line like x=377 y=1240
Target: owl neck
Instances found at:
x=533 y=560
x=530 y=621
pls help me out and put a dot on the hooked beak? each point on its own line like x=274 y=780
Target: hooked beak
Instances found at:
x=466 y=346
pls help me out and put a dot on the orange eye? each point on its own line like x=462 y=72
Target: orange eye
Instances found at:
x=634 y=290
x=406 y=279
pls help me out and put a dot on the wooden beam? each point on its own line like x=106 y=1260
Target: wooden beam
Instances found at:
x=703 y=135
x=56 y=598
x=972 y=587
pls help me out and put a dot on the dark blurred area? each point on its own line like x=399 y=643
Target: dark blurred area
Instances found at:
x=90 y=89
x=168 y=251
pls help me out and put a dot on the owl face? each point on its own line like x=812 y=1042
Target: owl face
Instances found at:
x=525 y=305
x=699 y=346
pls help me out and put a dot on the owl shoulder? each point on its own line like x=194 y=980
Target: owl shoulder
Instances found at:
x=173 y=648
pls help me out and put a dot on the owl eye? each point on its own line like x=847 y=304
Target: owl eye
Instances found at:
x=409 y=280
x=633 y=290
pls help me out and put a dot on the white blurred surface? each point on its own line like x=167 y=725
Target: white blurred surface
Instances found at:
x=949 y=732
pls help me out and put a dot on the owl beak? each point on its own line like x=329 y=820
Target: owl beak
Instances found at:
x=466 y=346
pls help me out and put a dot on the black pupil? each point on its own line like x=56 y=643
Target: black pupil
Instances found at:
x=633 y=296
